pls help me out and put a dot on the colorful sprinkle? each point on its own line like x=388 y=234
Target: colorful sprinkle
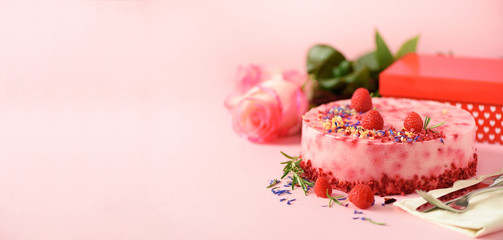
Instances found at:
x=280 y=192
x=337 y=120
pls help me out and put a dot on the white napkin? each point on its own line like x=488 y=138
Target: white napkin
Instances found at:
x=484 y=214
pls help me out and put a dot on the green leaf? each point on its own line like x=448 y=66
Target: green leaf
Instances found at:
x=294 y=181
x=436 y=125
x=331 y=84
x=288 y=156
x=345 y=86
x=370 y=220
x=426 y=122
x=333 y=199
x=383 y=55
x=322 y=59
x=355 y=80
x=284 y=174
x=287 y=166
x=304 y=188
x=343 y=69
x=408 y=47
x=359 y=77
x=273 y=183
x=297 y=163
x=368 y=60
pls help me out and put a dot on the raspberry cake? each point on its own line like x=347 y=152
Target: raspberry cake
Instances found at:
x=391 y=160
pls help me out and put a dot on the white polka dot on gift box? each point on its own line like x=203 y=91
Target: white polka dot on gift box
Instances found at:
x=488 y=119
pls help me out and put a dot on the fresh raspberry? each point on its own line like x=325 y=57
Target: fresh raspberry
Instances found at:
x=413 y=122
x=361 y=196
x=361 y=100
x=321 y=186
x=372 y=120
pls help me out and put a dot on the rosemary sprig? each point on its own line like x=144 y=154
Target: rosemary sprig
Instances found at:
x=333 y=199
x=370 y=220
x=427 y=122
x=293 y=166
x=273 y=183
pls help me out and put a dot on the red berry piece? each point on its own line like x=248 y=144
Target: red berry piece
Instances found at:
x=361 y=100
x=361 y=196
x=372 y=120
x=321 y=186
x=413 y=122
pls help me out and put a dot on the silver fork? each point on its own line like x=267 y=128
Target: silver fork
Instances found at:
x=460 y=204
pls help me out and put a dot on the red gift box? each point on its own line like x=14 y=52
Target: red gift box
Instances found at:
x=473 y=84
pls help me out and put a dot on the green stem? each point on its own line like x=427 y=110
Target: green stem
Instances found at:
x=273 y=183
x=377 y=223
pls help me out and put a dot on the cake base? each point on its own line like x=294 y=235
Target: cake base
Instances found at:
x=397 y=185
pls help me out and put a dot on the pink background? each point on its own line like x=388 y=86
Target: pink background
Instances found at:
x=112 y=123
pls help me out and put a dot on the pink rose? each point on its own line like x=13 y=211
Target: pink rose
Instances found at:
x=294 y=77
x=270 y=109
x=247 y=77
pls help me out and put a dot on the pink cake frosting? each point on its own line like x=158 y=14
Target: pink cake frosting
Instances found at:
x=388 y=161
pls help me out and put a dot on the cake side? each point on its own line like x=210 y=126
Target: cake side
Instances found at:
x=390 y=165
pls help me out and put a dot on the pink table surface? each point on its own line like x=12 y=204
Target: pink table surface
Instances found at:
x=112 y=123
x=150 y=168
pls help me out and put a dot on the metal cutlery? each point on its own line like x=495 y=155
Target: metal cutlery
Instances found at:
x=461 y=204
x=458 y=200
